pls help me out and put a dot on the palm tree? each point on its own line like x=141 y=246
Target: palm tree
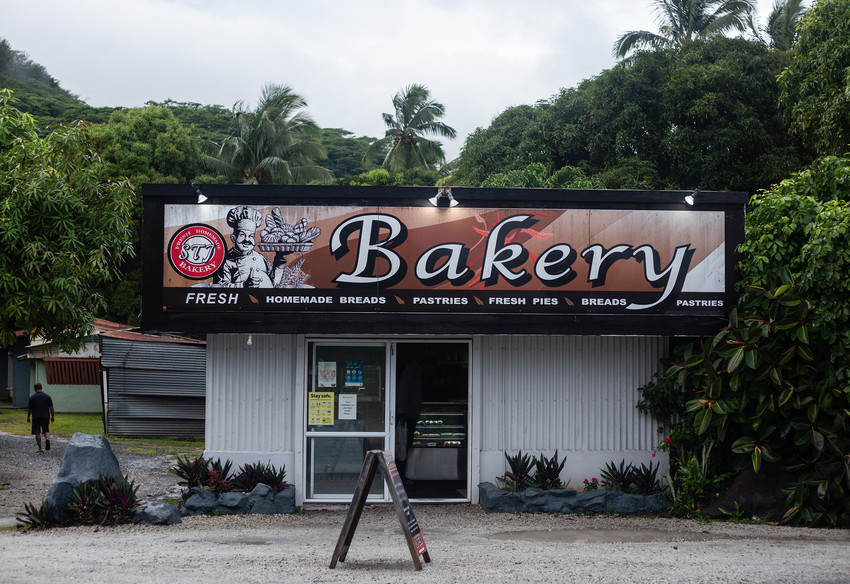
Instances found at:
x=276 y=143
x=781 y=28
x=684 y=20
x=416 y=115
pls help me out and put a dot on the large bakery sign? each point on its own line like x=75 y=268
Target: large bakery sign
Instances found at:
x=415 y=259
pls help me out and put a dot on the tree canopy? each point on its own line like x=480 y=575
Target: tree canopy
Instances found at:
x=781 y=25
x=143 y=145
x=704 y=115
x=64 y=228
x=814 y=87
x=404 y=144
x=681 y=21
x=275 y=143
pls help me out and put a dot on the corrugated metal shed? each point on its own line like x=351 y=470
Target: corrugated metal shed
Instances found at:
x=155 y=385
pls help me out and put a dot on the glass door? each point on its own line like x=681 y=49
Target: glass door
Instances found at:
x=346 y=416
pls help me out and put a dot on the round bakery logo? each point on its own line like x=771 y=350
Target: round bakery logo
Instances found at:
x=196 y=251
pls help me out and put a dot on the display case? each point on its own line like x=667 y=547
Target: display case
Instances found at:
x=439 y=444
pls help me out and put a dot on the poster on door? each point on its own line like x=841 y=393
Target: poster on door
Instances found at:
x=327 y=373
x=320 y=409
x=347 y=406
x=354 y=373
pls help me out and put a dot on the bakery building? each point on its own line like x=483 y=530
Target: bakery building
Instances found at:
x=447 y=325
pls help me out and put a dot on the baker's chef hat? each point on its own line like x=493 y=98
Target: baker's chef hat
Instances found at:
x=244 y=218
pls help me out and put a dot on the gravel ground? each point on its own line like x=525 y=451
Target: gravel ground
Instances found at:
x=465 y=544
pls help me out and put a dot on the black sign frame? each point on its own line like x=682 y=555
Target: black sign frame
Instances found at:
x=156 y=316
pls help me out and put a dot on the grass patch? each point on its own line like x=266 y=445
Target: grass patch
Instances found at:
x=15 y=422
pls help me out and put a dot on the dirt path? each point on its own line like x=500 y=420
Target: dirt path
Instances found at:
x=465 y=544
x=26 y=475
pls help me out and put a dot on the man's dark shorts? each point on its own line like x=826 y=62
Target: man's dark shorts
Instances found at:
x=40 y=425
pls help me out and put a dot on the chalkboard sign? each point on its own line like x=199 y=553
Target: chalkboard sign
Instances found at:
x=383 y=461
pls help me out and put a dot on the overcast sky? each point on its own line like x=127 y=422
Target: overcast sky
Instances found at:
x=347 y=58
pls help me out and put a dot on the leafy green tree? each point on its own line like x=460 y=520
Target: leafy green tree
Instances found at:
x=774 y=386
x=681 y=21
x=417 y=177
x=405 y=144
x=510 y=142
x=813 y=89
x=535 y=176
x=345 y=151
x=209 y=123
x=276 y=143
x=148 y=145
x=144 y=145
x=64 y=228
x=705 y=115
x=722 y=119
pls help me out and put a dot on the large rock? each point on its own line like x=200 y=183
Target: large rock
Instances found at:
x=200 y=502
x=157 y=513
x=231 y=503
x=87 y=457
x=262 y=500
x=564 y=501
x=284 y=501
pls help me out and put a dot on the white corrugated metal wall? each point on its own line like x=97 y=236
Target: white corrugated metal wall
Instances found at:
x=575 y=394
x=253 y=399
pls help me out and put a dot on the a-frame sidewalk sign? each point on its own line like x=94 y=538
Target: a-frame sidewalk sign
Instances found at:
x=383 y=461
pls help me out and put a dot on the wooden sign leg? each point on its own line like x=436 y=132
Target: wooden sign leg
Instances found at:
x=409 y=525
x=361 y=491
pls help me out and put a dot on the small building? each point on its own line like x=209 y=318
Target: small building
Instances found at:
x=153 y=385
x=72 y=379
x=449 y=326
x=144 y=385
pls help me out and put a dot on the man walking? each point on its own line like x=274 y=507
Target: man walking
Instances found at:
x=40 y=407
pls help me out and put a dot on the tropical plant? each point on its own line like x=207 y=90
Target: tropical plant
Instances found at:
x=117 y=500
x=618 y=477
x=520 y=476
x=82 y=507
x=275 y=143
x=405 y=144
x=36 y=517
x=204 y=473
x=645 y=479
x=218 y=479
x=548 y=472
x=768 y=390
x=195 y=471
x=693 y=483
x=685 y=20
x=781 y=27
x=250 y=475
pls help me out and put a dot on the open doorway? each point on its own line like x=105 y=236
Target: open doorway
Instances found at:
x=432 y=418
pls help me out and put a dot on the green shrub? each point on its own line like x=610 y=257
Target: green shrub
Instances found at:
x=519 y=477
x=36 y=517
x=251 y=475
x=548 y=472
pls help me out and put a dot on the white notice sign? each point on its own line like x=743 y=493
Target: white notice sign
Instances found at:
x=347 y=406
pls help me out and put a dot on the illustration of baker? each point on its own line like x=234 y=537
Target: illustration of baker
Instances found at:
x=245 y=267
